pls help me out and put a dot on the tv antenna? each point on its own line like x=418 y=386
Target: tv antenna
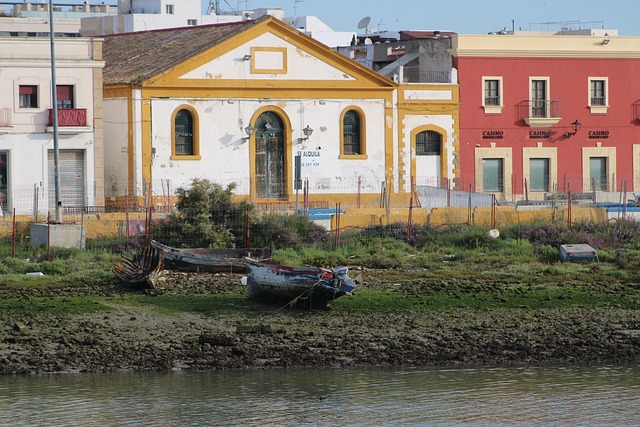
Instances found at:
x=364 y=24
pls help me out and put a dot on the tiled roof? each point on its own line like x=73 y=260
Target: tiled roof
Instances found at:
x=136 y=57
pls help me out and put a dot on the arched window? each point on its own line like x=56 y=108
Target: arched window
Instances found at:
x=184 y=141
x=428 y=143
x=351 y=133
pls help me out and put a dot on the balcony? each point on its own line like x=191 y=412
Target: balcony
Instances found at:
x=70 y=121
x=5 y=120
x=539 y=113
x=419 y=75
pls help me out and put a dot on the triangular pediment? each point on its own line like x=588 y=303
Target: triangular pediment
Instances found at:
x=271 y=54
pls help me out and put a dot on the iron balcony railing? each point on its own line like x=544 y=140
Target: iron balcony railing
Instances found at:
x=539 y=109
x=69 y=117
x=492 y=100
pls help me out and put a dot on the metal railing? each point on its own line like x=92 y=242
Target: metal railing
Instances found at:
x=69 y=117
x=539 y=108
x=418 y=75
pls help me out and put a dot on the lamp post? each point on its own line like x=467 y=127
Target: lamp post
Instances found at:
x=54 y=115
x=575 y=126
x=307 y=133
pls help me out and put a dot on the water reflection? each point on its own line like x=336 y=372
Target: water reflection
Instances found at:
x=549 y=396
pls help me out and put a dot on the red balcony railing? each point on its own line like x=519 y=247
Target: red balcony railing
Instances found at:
x=69 y=117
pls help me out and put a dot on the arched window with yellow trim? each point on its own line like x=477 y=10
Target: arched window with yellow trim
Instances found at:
x=184 y=128
x=353 y=135
x=184 y=141
x=351 y=132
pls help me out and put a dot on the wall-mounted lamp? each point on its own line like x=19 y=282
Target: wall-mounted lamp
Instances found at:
x=307 y=133
x=576 y=127
x=250 y=130
x=246 y=58
x=605 y=41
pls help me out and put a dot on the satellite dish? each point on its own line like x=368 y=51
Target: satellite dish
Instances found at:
x=364 y=22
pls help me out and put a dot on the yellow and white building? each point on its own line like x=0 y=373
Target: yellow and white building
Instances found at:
x=240 y=102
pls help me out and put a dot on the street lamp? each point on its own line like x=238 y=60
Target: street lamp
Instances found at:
x=575 y=126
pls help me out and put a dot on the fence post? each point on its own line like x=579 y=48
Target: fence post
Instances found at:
x=35 y=202
x=337 y=241
x=624 y=211
x=569 y=208
x=469 y=207
x=493 y=211
x=49 y=236
x=245 y=240
x=126 y=211
x=13 y=236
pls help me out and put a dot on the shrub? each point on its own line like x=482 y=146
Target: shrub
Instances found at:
x=205 y=217
x=281 y=231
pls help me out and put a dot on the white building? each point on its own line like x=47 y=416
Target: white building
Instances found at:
x=237 y=103
x=26 y=126
x=144 y=15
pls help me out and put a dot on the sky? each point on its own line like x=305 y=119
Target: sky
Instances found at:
x=460 y=16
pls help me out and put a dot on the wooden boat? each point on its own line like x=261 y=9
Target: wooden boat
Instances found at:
x=140 y=269
x=208 y=260
x=301 y=286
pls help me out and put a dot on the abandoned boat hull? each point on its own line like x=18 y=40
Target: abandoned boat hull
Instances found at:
x=206 y=260
x=302 y=286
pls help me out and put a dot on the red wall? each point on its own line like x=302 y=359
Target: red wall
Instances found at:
x=568 y=83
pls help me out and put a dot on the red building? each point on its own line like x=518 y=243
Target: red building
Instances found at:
x=543 y=113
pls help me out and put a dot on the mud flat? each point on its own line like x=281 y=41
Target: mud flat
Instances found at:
x=212 y=326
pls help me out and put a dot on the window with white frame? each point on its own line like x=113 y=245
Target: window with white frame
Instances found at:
x=598 y=94
x=28 y=96
x=192 y=22
x=492 y=94
x=64 y=96
x=493 y=175
x=169 y=9
x=539 y=98
x=598 y=173
x=539 y=174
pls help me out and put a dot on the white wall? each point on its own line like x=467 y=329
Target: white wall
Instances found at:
x=428 y=167
x=116 y=165
x=225 y=157
x=26 y=61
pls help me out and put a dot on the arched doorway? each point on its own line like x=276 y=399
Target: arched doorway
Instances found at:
x=269 y=156
x=428 y=152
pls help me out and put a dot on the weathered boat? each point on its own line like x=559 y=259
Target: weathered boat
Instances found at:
x=301 y=286
x=208 y=260
x=141 y=268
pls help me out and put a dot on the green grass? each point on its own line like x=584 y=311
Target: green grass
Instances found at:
x=514 y=297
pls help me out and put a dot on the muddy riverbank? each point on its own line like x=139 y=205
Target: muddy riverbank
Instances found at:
x=142 y=334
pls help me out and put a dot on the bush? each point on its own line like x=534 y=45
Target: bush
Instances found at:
x=205 y=217
x=280 y=231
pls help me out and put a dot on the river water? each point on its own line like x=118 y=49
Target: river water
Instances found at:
x=512 y=396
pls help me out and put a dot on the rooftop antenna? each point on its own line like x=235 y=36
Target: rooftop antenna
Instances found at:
x=364 y=24
x=215 y=6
